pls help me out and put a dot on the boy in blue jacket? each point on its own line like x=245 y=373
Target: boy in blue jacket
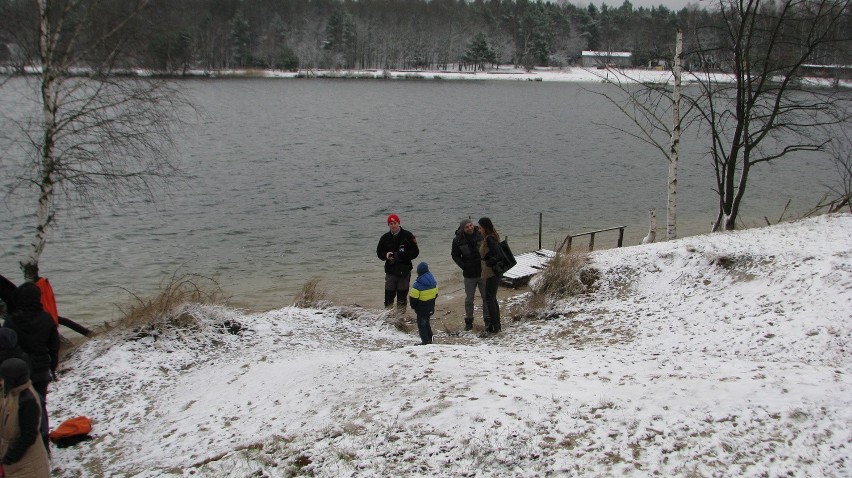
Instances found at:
x=422 y=297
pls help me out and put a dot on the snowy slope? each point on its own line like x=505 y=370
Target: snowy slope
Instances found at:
x=718 y=355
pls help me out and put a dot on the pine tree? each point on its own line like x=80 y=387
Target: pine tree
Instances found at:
x=479 y=52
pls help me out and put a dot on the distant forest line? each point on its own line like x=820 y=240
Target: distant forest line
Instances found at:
x=176 y=36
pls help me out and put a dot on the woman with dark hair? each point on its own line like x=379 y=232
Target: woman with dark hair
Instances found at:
x=490 y=253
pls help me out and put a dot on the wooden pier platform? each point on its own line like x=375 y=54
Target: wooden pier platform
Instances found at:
x=529 y=264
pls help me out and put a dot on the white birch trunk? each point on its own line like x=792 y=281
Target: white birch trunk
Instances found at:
x=29 y=266
x=671 y=223
x=671 y=208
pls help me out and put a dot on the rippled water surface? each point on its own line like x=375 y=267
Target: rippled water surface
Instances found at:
x=293 y=179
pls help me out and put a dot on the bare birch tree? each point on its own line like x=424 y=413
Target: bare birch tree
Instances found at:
x=655 y=110
x=839 y=197
x=748 y=95
x=767 y=110
x=98 y=130
x=674 y=149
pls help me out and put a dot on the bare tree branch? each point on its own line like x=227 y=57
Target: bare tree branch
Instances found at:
x=104 y=133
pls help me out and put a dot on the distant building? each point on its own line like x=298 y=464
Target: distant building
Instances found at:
x=602 y=59
x=659 y=64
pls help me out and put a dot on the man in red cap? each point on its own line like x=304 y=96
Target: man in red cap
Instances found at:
x=397 y=248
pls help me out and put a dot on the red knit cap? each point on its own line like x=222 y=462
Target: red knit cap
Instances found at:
x=393 y=218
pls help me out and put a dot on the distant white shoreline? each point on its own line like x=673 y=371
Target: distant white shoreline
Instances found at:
x=576 y=74
x=568 y=74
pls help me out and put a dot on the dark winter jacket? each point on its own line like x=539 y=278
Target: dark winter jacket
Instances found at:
x=7 y=291
x=424 y=291
x=9 y=347
x=404 y=247
x=465 y=252
x=37 y=333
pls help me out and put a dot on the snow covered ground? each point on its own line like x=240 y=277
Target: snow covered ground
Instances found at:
x=717 y=355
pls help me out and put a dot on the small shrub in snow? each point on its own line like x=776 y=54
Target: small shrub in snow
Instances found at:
x=567 y=274
x=311 y=296
x=186 y=304
x=397 y=319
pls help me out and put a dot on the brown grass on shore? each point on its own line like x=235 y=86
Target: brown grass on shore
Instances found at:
x=174 y=293
x=311 y=295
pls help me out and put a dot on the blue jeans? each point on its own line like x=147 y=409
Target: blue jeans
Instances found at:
x=424 y=327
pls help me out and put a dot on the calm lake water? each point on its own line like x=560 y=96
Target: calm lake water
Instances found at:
x=293 y=179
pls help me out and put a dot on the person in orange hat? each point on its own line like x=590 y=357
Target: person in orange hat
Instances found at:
x=397 y=248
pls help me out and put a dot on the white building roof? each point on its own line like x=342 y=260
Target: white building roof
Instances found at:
x=620 y=54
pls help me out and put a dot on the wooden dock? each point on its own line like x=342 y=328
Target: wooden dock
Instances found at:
x=529 y=264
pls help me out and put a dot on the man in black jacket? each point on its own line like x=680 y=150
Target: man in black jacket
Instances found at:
x=397 y=248
x=37 y=336
x=465 y=253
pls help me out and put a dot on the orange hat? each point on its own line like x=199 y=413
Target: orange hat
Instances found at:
x=393 y=218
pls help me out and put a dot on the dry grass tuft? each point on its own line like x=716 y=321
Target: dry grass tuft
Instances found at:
x=311 y=296
x=396 y=317
x=567 y=274
x=450 y=331
x=166 y=308
x=393 y=316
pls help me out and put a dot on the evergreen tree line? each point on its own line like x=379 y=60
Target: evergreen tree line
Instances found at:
x=380 y=34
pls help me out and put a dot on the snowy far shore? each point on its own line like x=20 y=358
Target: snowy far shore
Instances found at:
x=506 y=72
x=725 y=354
x=575 y=74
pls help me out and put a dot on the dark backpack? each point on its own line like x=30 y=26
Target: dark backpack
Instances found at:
x=508 y=260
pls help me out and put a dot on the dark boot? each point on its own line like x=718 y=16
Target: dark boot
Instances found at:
x=468 y=324
x=402 y=298
x=389 y=295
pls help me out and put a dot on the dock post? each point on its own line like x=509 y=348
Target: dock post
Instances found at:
x=592 y=242
x=539 y=230
x=620 y=236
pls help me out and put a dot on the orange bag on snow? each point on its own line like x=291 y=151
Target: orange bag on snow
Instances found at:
x=48 y=301
x=71 y=431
